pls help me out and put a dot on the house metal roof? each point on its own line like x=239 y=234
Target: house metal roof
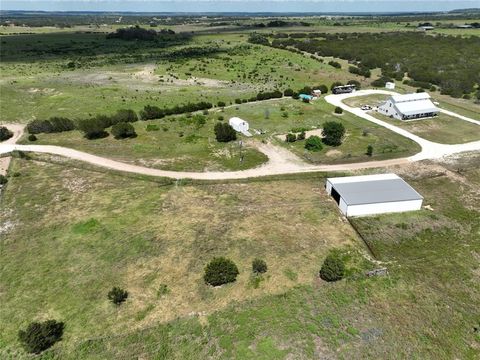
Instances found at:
x=374 y=189
x=410 y=97
x=416 y=107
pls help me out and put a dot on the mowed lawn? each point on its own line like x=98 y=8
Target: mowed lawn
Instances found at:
x=280 y=117
x=443 y=128
x=69 y=235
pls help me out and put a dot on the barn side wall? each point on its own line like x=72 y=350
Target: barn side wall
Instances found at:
x=382 y=208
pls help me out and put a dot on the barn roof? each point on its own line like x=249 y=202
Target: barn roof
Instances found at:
x=373 y=189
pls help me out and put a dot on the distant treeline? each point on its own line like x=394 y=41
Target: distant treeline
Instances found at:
x=450 y=62
x=138 y=33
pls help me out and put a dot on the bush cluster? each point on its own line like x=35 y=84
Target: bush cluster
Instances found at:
x=39 y=336
x=291 y=137
x=335 y=64
x=220 y=271
x=360 y=70
x=52 y=125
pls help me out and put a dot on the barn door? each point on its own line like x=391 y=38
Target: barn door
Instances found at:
x=336 y=195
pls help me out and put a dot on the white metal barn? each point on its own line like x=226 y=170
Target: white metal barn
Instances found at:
x=373 y=194
x=238 y=124
x=409 y=106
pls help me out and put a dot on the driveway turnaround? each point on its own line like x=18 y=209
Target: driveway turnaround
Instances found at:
x=281 y=161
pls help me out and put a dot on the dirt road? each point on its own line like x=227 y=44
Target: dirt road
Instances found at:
x=281 y=161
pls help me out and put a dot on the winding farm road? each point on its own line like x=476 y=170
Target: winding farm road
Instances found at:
x=281 y=161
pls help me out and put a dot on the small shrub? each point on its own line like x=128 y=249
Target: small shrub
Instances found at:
x=220 y=271
x=221 y=104
x=259 y=266
x=313 y=143
x=39 y=336
x=369 y=150
x=123 y=130
x=117 y=295
x=332 y=269
x=5 y=134
x=290 y=138
x=301 y=136
x=220 y=117
x=32 y=137
x=333 y=133
x=3 y=179
x=238 y=101
x=338 y=110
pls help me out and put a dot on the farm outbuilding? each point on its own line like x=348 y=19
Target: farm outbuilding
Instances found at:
x=373 y=194
x=238 y=124
x=390 y=85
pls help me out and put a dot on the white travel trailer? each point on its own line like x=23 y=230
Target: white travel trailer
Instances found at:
x=238 y=124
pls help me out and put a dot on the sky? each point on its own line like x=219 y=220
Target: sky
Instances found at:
x=368 y=6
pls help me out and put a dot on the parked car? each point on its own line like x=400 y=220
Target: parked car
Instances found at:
x=366 y=107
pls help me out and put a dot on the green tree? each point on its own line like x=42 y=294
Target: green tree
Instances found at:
x=333 y=268
x=123 y=130
x=313 y=143
x=333 y=133
x=39 y=336
x=5 y=134
x=93 y=128
x=338 y=110
x=220 y=271
x=224 y=132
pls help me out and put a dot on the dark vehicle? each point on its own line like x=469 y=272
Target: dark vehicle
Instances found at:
x=343 y=89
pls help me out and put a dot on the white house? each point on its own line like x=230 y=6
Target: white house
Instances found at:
x=390 y=85
x=409 y=106
x=373 y=194
x=239 y=124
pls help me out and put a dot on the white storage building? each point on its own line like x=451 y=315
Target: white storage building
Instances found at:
x=409 y=106
x=238 y=124
x=390 y=85
x=373 y=194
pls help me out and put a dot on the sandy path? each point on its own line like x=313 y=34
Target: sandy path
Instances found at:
x=17 y=134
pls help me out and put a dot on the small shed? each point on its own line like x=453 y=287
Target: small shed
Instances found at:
x=238 y=124
x=390 y=85
x=373 y=194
